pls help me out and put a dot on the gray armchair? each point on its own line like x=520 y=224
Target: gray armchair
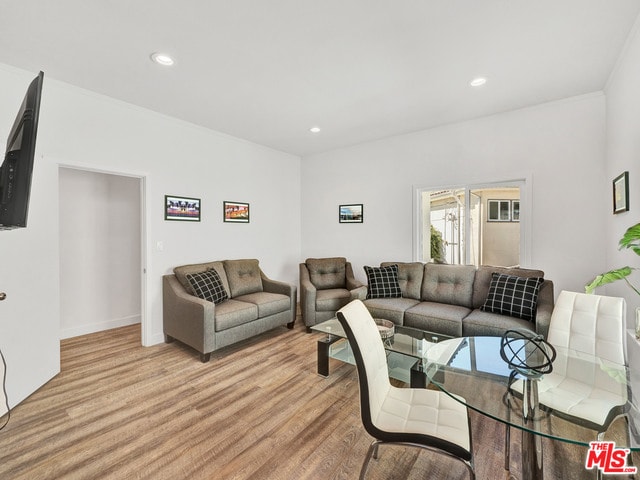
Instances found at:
x=327 y=285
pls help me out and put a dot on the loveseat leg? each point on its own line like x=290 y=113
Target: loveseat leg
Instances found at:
x=168 y=339
x=290 y=325
x=204 y=357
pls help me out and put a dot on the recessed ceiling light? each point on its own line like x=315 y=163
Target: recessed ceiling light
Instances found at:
x=478 y=81
x=314 y=129
x=162 y=59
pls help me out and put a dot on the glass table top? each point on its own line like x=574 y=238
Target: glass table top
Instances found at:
x=571 y=400
x=408 y=341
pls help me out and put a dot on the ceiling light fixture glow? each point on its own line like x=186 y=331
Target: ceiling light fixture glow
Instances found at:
x=478 y=81
x=162 y=59
x=314 y=129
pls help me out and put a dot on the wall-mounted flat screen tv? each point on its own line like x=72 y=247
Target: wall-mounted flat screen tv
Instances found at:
x=17 y=168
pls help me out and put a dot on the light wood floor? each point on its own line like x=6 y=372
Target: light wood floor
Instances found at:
x=257 y=410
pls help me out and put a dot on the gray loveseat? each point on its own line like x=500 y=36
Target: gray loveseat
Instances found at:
x=446 y=299
x=254 y=304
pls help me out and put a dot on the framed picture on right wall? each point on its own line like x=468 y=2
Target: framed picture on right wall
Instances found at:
x=621 y=193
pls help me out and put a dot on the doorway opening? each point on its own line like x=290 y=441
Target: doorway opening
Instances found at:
x=101 y=225
x=471 y=224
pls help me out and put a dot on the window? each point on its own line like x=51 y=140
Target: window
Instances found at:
x=471 y=224
x=499 y=211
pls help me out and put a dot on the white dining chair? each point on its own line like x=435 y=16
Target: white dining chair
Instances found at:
x=416 y=417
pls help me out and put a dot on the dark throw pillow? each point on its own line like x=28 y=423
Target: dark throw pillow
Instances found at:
x=383 y=282
x=208 y=286
x=513 y=296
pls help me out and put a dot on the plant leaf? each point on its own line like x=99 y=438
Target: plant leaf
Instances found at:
x=631 y=239
x=608 y=277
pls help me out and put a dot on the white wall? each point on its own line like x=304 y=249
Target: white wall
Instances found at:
x=558 y=146
x=623 y=154
x=83 y=129
x=100 y=251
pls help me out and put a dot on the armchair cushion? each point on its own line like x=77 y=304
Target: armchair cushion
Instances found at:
x=332 y=299
x=327 y=273
x=208 y=286
x=383 y=282
x=244 y=276
x=513 y=296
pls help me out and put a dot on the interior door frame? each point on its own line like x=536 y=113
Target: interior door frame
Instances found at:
x=144 y=307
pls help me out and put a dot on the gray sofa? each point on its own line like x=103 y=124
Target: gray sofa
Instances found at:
x=446 y=299
x=254 y=305
x=326 y=285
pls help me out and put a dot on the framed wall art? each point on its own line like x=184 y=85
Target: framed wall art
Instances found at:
x=181 y=208
x=350 y=213
x=621 y=193
x=236 y=212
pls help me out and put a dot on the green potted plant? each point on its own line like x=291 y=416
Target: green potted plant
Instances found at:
x=630 y=240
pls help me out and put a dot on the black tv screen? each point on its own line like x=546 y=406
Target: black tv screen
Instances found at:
x=17 y=167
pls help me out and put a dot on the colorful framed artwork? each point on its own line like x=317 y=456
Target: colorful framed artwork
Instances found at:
x=181 y=208
x=236 y=212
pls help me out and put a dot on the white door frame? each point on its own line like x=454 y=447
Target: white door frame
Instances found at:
x=144 y=307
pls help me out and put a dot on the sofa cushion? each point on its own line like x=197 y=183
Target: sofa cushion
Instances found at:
x=233 y=313
x=390 y=308
x=409 y=278
x=483 y=280
x=243 y=276
x=513 y=296
x=327 y=272
x=332 y=299
x=267 y=303
x=182 y=271
x=208 y=286
x=437 y=317
x=382 y=282
x=479 y=323
x=450 y=284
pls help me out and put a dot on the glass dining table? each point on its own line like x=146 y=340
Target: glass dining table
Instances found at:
x=579 y=394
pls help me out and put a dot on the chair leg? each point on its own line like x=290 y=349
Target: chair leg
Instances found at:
x=507 y=446
x=373 y=450
x=507 y=434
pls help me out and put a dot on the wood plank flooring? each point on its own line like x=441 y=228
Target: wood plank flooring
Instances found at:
x=257 y=410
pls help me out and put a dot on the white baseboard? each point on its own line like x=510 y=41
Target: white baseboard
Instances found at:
x=99 y=327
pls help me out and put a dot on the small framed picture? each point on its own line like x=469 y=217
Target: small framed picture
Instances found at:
x=621 y=193
x=181 y=208
x=350 y=213
x=236 y=212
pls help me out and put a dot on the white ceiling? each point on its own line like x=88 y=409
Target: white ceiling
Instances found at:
x=267 y=70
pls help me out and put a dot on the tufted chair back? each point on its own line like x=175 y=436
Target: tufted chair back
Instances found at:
x=592 y=324
x=327 y=273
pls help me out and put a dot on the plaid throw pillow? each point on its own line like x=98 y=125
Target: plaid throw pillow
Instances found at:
x=208 y=286
x=513 y=296
x=383 y=282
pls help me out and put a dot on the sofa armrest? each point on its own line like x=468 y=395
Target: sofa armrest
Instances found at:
x=352 y=282
x=359 y=293
x=544 y=308
x=307 y=297
x=187 y=318
x=283 y=288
